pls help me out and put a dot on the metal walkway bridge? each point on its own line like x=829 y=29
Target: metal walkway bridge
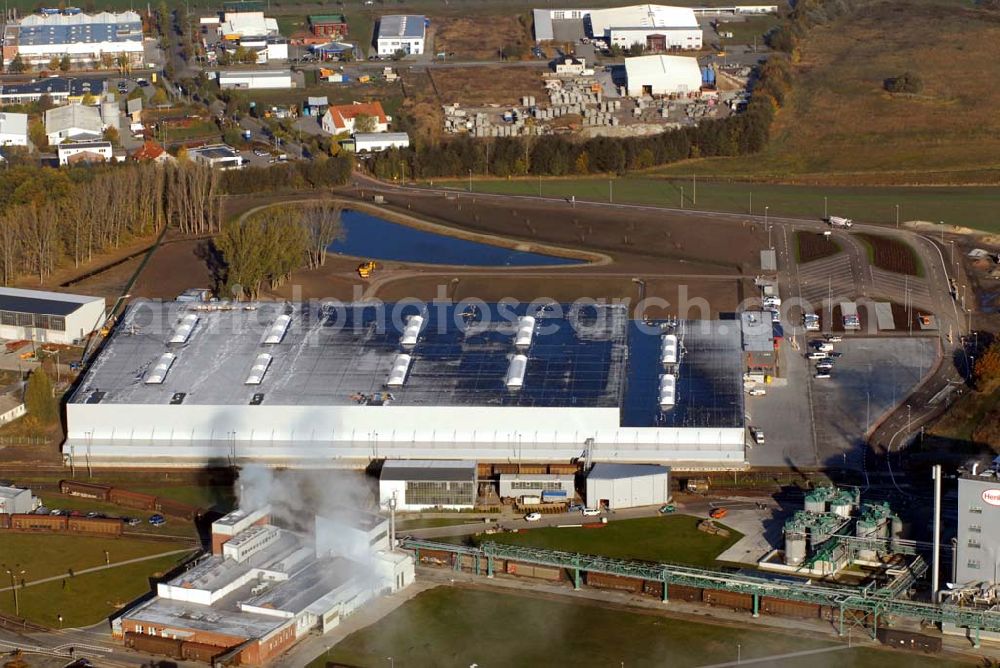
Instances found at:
x=872 y=601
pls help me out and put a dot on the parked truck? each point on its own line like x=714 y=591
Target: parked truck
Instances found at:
x=837 y=221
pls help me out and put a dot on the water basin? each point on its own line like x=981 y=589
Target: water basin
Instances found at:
x=370 y=237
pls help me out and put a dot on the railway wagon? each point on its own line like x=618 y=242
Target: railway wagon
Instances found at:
x=30 y=522
x=138 y=500
x=787 y=608
x=909 y=640
x=4 y=521
x=605 y=581
x=532 y=571
x=176 y=508
x=728 y=599
x=86 y=490
x=100 y=526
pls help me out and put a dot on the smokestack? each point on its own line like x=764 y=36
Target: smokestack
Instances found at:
x=392 y=522
x=975 y=467
x=936 y=474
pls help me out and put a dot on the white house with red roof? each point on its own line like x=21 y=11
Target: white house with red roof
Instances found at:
x=340 y=119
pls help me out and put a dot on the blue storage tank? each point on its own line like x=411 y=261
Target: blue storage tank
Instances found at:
x=708 y=76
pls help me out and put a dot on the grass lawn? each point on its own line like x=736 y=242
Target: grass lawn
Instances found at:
x=744 y=32
x=673 y=539
x=90 y=598
x=841 y=126
x=221 y=498
x=434 y=522
x=967 y=206
x=460 y=627
x=47 y=555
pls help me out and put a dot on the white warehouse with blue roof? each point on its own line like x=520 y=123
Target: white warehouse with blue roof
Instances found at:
x=401 y=32
x=85 y=38
x=324 y=385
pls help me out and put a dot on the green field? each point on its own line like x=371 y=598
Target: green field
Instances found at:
x=840 y=126
x=673 y=539
x=90 y=598
x=966 y=206
x=47 y=555
x=460 y=627
x=435 y=522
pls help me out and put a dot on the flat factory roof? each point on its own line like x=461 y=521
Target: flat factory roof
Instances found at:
x=12 y=492
x=327 y=356
x=307 y=586
x=54 y=85
x=165 y=613
x=621 y=471
x=758 y=331
x=709 y=385
x=641 y=16
x=13 y=124
x=428 y=470
x=41 y=302
x=401 y=25
x=215 y=152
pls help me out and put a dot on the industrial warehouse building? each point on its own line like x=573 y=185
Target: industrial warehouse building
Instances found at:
x=617 y=486
x=48 y=317
x=547 y=486
x=333 y=385
x=14 y=500
x=219 y=156
x=255 y=79
x=978 y=544
x=662 y=75
x=264 y=587
x=655 y=28
x=13 y=129
x=85 y=38
x=423 y=484
x=58 y=89
x=401 y=32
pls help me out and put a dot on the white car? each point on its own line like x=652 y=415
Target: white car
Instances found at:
x=532 y=517
x=816 y=355
x=822 y=374
x=756 y=391
x=834 y=338
x=590 y=512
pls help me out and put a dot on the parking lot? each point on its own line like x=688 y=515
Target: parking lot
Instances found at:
x=871 y=376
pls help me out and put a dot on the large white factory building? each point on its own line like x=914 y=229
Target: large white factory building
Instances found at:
x=312 y=385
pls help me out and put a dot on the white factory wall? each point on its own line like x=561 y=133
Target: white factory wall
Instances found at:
x=386 y=488
x=631 y=492
x=387 y=46
x=79 y=324
x=20 y=502
x=247 y=80
x=676 y=39
x=187 y=435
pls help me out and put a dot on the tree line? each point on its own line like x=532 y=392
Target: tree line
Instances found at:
x=558 y=155
x=265 y=248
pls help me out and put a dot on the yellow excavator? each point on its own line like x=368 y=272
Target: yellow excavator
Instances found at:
x=367 y=269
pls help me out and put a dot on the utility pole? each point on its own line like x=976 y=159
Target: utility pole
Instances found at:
x=611 y=192
x=936 y=475
x=682 y=197
x=825 y=214
x=751 y=202
x=694 y=189
x=897 y=216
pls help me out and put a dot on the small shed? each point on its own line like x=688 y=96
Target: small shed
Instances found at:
x=615 y=486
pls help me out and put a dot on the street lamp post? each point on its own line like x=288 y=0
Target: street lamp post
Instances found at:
x=470 y=180
x=13 y=573
x=897 y=216
x=825 y=214
x=941 y=225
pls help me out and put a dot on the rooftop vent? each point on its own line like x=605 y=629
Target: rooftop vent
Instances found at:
x=525 y=330
x=183 y=328
x=259 y=368
x=668 y=353
x=515 y=372
x=177 y=398
x=160 y=368
x=411 y=331
x=95 y=397
x=257 y=399
x=278 y=329
x=668 y=391
x=400 y=365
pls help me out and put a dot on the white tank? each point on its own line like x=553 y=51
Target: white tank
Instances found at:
x=841 y=507
x=795 y=548
x=815 y=505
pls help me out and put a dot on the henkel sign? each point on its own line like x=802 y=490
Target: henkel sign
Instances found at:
x=992 y=497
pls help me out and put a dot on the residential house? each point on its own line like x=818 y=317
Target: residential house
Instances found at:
x=340 y=118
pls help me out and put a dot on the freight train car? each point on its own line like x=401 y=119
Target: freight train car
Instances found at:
x=604 y=581
x=728 y=599
x=176 y=508
x=154 y=644
x=99 y=526
x=909 y=640
x=29 y=522
x=532 y=571
x=124 y=497
x=85 y=490
x=4 y=521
